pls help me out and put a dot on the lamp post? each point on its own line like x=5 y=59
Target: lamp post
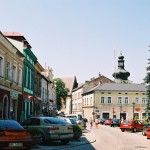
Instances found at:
x=120 y=111
x=133 y=104
x=113 y=113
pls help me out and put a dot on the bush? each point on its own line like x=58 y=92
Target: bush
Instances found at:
x=77 y=132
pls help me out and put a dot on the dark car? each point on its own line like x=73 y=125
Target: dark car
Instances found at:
x=14 y=136
x=115 y=122
x=101 y=120
x=145 y=128
x=51 y=128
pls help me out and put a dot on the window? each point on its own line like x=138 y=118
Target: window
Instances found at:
x=109 y=100
x=1 y=66
x=8 y=71
x=14 y=73
x=143 y=115
x=102 y=100
x=20 y=76
x=136 y=115
x=83 y=102
x=119 y=100
x=87 y=101
x=143 y=100
x=126 y=100
x=137 y=100
x=90 y=100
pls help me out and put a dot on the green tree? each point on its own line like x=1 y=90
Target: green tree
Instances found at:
x=147 y=81
x=61 y=92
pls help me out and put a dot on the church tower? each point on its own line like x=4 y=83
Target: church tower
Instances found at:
x=121 y=75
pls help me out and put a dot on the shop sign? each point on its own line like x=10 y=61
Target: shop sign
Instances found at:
x=14 y=94
x=97 y=110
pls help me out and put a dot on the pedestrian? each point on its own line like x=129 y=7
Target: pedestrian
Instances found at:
x=96 y=122
x=91 y=124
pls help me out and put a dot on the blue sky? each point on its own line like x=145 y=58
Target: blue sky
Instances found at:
x=81 y=37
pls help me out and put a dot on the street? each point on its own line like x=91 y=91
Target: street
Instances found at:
x=103 y=138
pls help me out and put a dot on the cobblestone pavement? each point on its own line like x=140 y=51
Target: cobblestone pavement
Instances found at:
x=103 y=138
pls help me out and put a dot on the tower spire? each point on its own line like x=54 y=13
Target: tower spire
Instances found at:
x=121 y=75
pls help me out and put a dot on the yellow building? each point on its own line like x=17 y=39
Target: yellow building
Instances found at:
x=115 y=100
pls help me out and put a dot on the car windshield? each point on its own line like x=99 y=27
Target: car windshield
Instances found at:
x=55 y=121
x=9 y=124
x=116 y=120
x=126 y=122
x=73 y=121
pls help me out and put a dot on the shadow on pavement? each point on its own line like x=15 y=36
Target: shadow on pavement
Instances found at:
x=81 y=142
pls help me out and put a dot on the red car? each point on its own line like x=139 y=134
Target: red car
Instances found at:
x=148 y=133
x=108 y=122
x=131 y=125
x=14 y=136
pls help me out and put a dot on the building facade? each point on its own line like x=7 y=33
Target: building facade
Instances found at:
x=70 y=83
x=77 y=99
x=114 y=100
x=11 y=76
x=37 y=89
x=24 y=47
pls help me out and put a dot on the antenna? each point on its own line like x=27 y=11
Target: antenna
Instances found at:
x=115 y=62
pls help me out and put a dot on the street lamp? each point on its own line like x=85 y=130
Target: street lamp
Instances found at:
x=120 y=111
x=113 y=113
x=133 y=109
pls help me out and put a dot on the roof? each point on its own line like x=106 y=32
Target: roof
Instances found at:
x=121 y=87
x=16 y=36
x=18 y=52
x=12 y=34
x=80 y=85
x=69 y=82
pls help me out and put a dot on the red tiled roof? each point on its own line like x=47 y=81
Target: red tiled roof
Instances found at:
x=12 y=34
x=16 y=36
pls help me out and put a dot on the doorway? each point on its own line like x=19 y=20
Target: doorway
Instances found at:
x=123 y=115
x=5 y=108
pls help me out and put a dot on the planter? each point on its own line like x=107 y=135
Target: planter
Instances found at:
x=77 y=135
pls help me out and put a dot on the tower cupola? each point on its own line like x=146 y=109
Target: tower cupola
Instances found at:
x=121 y=75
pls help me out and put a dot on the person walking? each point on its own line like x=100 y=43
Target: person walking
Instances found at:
x=96 y=122
x=91 y=124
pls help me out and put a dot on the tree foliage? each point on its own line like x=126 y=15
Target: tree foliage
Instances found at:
x=61 y=92
x=147 y=81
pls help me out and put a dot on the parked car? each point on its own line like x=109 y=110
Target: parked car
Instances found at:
x=145 y=127
x=77 y=130
x=14 y=136
x=148 y=133
x=115 y=122
x=51 y=128
x=70 y=120
x=101 y=120
x=131 y=125
x=107 y=121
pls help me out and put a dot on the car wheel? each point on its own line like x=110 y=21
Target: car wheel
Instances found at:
x=134 y=130
x=42 y=141
x=122 y=130
x=64 y=141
